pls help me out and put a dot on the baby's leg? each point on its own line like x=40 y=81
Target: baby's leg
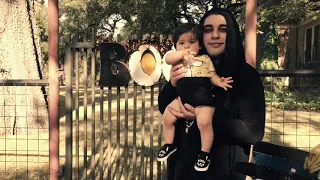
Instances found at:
x=168 y=122
x=204 y=116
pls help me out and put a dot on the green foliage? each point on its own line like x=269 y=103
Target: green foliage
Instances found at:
x=269 y=64
x=271 y=12
x=269 y=38
x=161 y=16
x=274 y=84
x=287 y=11
x=294 y=100
x=302 y=95
x=42 y=23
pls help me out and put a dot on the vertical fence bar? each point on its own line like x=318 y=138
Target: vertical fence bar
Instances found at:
x=126 y=129
x=143 y=114
x=5 y=130
x=118 y=133
x=159 y=135
x=283 y=122
x=271 y=108
x=28 y=138
x=309 y=125
x=85 y=113
x=101 y=133
x=109 y=131
x=38 y=137
x=93 y=121
x=68 y=127
x=14 y=130
x=296 y=102
x=77 y=173
x=151 y=131
x=53 y=34
x=134 y=149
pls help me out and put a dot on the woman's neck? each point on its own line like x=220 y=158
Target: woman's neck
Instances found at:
x=217 y=60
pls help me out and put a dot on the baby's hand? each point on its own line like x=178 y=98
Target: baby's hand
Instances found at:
x=225 y=82
x=188 y=57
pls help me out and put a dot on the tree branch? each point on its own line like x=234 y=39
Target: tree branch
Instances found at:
x=233 y=6
x=214 y=4
x=185 y=15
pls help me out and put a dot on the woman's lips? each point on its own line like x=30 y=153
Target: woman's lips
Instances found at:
x=215 y=45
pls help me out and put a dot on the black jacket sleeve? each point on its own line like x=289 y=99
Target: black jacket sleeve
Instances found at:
x=166 y=96
x=246 y=123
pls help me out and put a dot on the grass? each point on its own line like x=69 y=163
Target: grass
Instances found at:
x=295 y=99
x=119 y=154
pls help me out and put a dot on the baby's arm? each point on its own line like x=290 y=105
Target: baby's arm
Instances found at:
x=217 y=80
x=175 y=56
x=220 y=81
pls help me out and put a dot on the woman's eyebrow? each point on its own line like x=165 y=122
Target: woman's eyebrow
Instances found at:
x=211 y=26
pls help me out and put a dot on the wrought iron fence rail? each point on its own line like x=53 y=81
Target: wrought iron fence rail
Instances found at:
x=24 y=82
x=286 y=73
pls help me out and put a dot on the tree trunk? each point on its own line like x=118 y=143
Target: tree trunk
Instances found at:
x=23 y=109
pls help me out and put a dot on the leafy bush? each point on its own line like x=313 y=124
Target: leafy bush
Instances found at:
x=303 y=96
x=268 y=64
x=294 y=100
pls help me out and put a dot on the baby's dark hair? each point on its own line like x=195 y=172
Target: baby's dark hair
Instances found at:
x=185 y=28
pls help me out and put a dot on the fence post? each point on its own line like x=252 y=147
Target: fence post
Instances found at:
x=68 y=127
x=251 y=32
x=53 y=32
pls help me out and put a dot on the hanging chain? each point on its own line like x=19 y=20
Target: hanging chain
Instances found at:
x=189 y=123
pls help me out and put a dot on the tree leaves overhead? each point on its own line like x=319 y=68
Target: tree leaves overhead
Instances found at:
x=288 y=11
x=161 y=16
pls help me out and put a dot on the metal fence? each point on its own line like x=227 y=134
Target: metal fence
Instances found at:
x=128 y=128
x=115 y=132
x=24 y=129
x=293 y=108
x=110 y=133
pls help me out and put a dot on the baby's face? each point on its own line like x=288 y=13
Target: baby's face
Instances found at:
x=188 y=41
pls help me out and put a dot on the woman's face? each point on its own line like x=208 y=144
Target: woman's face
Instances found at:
x=215 y=34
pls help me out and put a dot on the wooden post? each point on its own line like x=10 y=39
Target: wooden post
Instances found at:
x=53 y=32
x=251 y=32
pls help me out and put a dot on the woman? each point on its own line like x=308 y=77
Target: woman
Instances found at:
x=239 y=121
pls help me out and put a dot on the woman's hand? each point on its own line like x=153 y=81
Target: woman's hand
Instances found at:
x=186 y=111
x=177 y=72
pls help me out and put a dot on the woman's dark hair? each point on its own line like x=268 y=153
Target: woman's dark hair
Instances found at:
x=233 y=56
x=185 y=28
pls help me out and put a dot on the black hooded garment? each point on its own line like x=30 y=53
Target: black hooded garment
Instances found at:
x=238 y=122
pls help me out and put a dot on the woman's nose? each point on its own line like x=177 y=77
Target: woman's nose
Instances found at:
x=215 y=34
